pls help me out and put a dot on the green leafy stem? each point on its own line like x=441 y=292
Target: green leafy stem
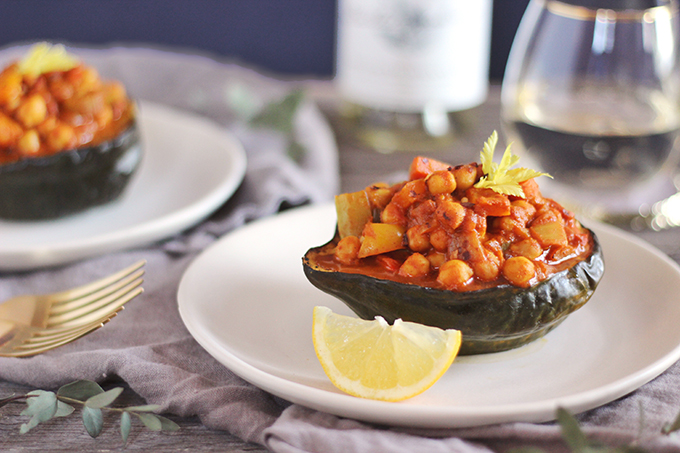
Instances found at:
x=43 y=406
x=577 y=442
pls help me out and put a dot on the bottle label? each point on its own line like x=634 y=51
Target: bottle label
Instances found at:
x=405 y=55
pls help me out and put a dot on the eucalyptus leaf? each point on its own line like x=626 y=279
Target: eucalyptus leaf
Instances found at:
x=41 y=404
x=63 y=409
x=296 y=151
x=672 y=427
x=80 y=390
x=167 y=424
x=26 y=427
x=571 y=431
x=125 y=426
x=144 y=408
x=103 y=399
x=629 y=449
x=151 y=421
x=279 y=115
x=93 y=421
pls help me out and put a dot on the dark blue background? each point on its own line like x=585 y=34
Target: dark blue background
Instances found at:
x=294 y=37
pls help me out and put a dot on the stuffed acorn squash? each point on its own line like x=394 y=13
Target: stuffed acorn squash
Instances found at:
x=474 y=247
x=68 y=139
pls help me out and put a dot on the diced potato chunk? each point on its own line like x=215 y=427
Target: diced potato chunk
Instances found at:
x=529 y=248
x=380 y=238
x=548 y=234
x=354 y=211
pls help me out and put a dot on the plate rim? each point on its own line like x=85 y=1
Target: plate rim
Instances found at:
x=28 y=257
x=437 y=416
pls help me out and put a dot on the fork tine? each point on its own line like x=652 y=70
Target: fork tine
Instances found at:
x=54 y=335
x=89 y=313
x=65 y=306
x=28 y=349
x=89 y=288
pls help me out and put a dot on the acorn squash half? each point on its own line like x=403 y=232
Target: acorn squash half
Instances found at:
x=69 y=181
x=491 y=319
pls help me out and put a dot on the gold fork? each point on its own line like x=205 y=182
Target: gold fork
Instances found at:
x=32 y=324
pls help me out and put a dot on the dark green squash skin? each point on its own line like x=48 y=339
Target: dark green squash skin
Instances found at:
x=70 y=181
x=491 y=319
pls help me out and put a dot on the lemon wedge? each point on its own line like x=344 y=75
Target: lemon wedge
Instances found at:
x=375 y=360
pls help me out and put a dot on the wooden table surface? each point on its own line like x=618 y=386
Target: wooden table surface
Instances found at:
x=359 y=168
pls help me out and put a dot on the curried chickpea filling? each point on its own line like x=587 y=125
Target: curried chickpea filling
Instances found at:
x=438 y=230
x=55 y=111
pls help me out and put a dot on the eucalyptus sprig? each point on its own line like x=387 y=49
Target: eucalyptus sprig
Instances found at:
x=577 y=442
x=279 y=115
x=44 y=405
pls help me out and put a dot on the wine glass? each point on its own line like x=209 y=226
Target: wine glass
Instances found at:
x=591 y=95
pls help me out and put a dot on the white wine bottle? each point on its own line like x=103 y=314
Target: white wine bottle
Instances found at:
x=405 y=69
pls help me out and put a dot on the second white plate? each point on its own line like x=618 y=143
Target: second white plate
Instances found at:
x=248 y=303
x=190 y=167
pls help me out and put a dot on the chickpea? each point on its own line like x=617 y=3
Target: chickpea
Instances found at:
x=439 y=239
x=347 y=249
x=60 y=138
x=104 y=117
x=466 y=176
x=418 y=239
x=60 y=89
x=415 y=265
x=10 y=130
x=519 y=271
x=115 y=92
x=455 y=274
x=46 y=126
x=32 y=111
x=29 y=143
x=488 y=269
x=89 y=103
x=436 y=259
x=441 y=182
x=83 y=79
x=10 y=88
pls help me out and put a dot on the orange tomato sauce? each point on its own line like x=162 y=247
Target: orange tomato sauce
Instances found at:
x=463 y=238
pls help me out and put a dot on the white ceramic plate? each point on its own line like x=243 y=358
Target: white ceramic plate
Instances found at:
x=190 y=167
x=248 y=303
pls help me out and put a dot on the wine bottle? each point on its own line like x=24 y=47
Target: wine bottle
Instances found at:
x=407 y=70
